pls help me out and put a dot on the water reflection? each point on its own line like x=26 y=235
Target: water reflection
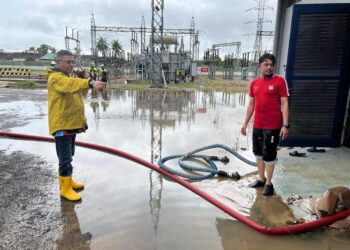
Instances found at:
x=268 y=211
x=156 y=186
x=126 y=219
x=162 y=110
x=72 y=237
x=165 y=108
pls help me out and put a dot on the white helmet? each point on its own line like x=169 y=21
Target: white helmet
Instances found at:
x=102 y=65
x=52 y=63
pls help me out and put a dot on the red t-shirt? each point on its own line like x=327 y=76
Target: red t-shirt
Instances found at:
x=267 y=94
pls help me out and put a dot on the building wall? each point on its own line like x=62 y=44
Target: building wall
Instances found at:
x=282 y=55
x=281 y=46
x=283 y=26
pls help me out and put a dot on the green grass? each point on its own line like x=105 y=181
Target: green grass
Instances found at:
x=27 y=84
x=207 y=85
x=203 y=85
x=215 y=83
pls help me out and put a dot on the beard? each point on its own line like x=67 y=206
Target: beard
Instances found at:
x=268 y=74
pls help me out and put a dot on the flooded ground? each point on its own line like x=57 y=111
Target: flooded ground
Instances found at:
x=126 y=206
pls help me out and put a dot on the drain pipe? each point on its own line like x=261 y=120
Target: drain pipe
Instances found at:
x=283 y=230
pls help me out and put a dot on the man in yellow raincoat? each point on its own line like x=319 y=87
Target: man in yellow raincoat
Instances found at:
x=66 y=117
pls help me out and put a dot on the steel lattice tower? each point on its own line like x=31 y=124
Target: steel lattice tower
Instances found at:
x=192 y=39
x=196 y=47
x=93 y=37
x=77 y=41
x=157 y=43
x=260 y=28
x=143 y=35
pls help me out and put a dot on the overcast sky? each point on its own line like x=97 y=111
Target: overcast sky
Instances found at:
x=27 y=23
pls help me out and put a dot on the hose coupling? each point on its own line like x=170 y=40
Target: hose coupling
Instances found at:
x=234 y=175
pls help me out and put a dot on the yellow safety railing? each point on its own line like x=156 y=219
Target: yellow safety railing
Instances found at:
x=14 y=72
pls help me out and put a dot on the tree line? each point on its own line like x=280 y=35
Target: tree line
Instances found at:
x=102 y=46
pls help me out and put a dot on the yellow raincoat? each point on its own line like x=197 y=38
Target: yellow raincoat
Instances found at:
x=65 y=101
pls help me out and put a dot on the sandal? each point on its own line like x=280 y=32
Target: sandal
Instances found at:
x=316 y=150
x=297 y=154
x=257 y=183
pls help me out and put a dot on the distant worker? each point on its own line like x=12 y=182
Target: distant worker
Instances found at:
x=66 y=117
x=104 y=73
x=52 y=63
x=244 y=73
x=93 y=71
x=80 y=72
x=268 y=96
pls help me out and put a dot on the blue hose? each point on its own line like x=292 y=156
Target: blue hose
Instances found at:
x=212 y=169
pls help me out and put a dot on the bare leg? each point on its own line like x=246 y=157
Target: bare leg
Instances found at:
x=269 y=172
x=261 y=169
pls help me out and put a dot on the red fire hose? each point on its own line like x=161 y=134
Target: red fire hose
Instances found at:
x=298 y=228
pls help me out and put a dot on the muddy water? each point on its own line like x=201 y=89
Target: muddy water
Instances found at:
x=126 y=206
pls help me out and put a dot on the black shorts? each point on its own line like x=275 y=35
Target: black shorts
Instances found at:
x=265 y=142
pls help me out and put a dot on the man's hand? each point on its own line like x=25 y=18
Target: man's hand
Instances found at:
x=98 y=85
x=244 y=129
x=284 y=133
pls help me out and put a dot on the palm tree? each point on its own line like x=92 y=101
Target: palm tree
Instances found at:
x=102 y=46
x=116 y=47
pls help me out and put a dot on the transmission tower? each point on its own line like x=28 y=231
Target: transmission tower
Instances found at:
x=213 y=56
x=261 y=7
x=133 y=43
x=196 y=47
x=93 y=37
x=143 y=35
x=157 y=44
x=134 y=50
x=67 y=39
x=192 y=38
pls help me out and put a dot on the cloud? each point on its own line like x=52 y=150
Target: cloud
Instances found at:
x=37 y=24
x=35 y=21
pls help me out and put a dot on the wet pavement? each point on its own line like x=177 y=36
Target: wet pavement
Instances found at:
x=126 y=206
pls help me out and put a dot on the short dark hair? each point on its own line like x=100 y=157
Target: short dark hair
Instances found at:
x=63 y=53
x=267 y=56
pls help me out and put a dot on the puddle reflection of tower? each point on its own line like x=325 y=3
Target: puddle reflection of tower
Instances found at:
x=242 y=99
x=95 y=106
x=156 y=180
x=164 y=109
x=105 y=97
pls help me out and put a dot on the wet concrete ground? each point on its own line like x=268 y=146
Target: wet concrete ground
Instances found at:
x=126 y=206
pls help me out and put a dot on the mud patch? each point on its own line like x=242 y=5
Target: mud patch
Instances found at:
x=29 y=210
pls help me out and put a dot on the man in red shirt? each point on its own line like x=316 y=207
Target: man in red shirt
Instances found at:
x=269 y=103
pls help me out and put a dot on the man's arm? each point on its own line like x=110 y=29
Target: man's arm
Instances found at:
x=250 y=111
x=285 y=116
x=65 y=84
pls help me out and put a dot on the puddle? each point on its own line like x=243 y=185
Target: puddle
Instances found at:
x=126 y=206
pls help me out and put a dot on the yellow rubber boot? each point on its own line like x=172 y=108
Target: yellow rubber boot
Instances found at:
x=67 y=190
x=75 y=184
